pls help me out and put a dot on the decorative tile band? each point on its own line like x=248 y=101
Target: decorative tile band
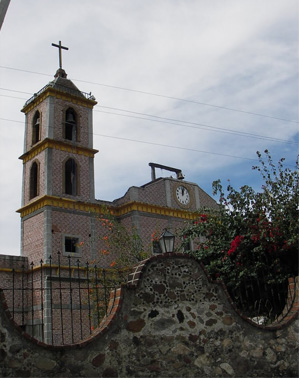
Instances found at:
x=57 y=145
x=93 y=208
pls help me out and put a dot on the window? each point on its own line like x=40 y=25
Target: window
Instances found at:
x=70 y=179
x=36 y=128
x=156 y=247
x=34 y=181
x=70 y=126
x=188 y=246
x=71 y=244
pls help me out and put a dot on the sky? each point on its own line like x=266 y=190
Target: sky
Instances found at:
x=192 y=84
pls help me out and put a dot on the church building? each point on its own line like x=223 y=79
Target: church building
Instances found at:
x=59 y=211
x=60 y=216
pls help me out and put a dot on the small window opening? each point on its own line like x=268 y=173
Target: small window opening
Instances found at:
x=156 y=247
x=71 y=177
x=71 y=244
x=36 y=128
x=70 y=125
x=34 y=180
x=187 y=246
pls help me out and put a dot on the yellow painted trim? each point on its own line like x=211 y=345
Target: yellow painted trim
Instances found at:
x=57 y=145
x=59 y=95
x=94 y=208
x=61 y=267
x=8 y=270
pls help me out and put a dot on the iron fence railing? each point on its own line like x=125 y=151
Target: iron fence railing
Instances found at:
x=61 y=304
x=264 y=302
x=62 y=88
x=61 y=301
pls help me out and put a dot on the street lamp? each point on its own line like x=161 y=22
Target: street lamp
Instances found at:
x=167 y=241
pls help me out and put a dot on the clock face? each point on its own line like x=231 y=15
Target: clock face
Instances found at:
x=182 y=195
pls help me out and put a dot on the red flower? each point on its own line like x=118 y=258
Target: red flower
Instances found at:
x=203 y=218
x=255 y=238
x=235 y=244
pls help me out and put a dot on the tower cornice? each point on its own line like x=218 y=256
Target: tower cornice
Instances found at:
x=47 y=91
x=57 y=145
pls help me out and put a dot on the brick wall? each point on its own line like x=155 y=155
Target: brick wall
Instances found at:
x=161 y=192
x=83 y=175
x=153 y=192
x=66 y=223
x=33 y=238
x=60 y=107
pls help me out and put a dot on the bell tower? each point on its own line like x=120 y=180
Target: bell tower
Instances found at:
x=58 y=169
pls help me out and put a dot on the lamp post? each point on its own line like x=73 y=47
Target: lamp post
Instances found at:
x=167 y=241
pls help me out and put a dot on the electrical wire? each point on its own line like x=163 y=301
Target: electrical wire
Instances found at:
x=194 y=125
x=173 y=121
x=175 y=147
x=162 y=145
x=160 y=95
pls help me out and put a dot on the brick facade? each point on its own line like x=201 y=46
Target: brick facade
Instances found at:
x=51 y=217
x=53 y=214
x=33 y=237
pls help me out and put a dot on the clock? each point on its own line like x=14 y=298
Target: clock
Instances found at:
x=182 y=195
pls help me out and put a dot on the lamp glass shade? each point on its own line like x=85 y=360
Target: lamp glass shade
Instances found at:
x=167 y=241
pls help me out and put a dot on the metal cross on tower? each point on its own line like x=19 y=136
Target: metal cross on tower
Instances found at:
x=60 y=48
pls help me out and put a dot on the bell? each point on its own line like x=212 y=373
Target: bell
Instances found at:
x=37 y=122
x=70 y=118
x=180 y=175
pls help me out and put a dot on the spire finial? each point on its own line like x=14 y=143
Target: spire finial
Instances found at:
x=60 y=47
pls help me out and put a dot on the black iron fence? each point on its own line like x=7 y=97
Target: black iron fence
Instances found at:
x=61 y=304
x=265 y=302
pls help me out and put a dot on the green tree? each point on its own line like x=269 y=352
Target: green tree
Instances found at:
x=122 y=244
x=123 y=248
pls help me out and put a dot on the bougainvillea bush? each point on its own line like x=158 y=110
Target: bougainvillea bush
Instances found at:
x=253 y=237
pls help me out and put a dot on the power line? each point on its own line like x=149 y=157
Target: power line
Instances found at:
x=175 y=147
x=173 y=121
x=189 y=101
x=18 y=98
x=160 y=95
x=203 y=127
x=11 y=120
x=161 y=145
x=194 y=125
x=12 y=90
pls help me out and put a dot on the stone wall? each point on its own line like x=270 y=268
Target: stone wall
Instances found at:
x=168 y=321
